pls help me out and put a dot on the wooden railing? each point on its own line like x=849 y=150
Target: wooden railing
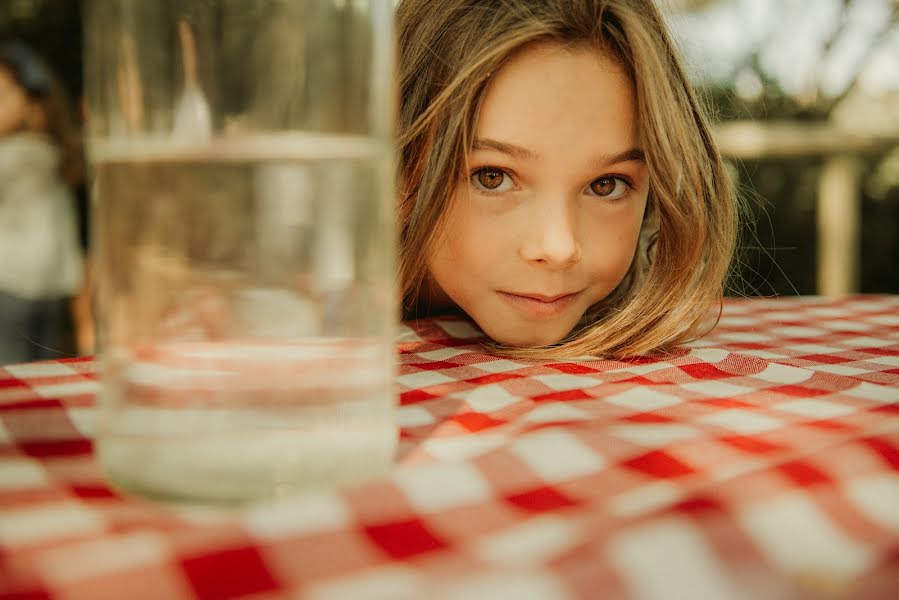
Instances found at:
x=838 y=201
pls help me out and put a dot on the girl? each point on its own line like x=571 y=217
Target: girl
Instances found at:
x=559 y=183
x=40 y=256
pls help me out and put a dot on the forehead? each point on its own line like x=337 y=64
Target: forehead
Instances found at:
x=547 y=91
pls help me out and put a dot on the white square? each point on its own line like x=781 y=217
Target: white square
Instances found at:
x=839 y=370
x=715 y=389
x=42 y=369
x=710 y=355
x=699 y=344
x=440 y=486
x=83 y=419
x=814 y=349
x=866 y=342
x=556 y=412
x=460 y=329
x=655 y=435
x=827 y=312
x=800 y=332
x=463 y=447
x=798 y=538
x=406 y=334
x=442 y=353
x=564 y=382
x=892 y=361
x=91 y=559
x=742 y=421
x=846 y=325
x=744 y=336
x=643 y=399
x=815 y=409
x=501 y=584
x=20 y=527
x=644 y=499
x=885 y=319
x=877 y=497
x=414 y=416
x=763 y=354
x=645 y=368
x=499 y=366
x=17 y=473
x=61 y=390
x=529 y=543
x=873 y=391
x=423 y=379
x=736 y=321
x=314 y=511
x=556 y=455
x=389 y=582
x=777 y=373
x=669 y=558
x=488 y=398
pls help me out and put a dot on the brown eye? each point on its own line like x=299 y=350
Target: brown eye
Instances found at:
x=489 y=178
x=603 y=186
x=611 y=188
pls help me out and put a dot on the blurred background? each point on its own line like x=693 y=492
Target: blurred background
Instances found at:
x=805 y=99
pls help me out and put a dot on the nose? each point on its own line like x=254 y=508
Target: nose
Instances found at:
x=551 y=239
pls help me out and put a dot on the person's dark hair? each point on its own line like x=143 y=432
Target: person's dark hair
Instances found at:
x=40 y=85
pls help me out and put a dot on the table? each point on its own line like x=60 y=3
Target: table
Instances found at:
x=759 y=462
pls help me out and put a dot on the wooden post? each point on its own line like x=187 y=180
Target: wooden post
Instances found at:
x=839 y=224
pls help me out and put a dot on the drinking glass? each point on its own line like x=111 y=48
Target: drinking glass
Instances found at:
x=243 y=242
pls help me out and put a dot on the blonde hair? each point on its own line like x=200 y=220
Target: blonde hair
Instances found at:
x=447 y=51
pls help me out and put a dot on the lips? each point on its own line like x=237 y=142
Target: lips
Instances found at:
x=540 y=305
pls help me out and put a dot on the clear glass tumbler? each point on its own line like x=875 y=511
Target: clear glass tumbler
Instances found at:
x=243 y=243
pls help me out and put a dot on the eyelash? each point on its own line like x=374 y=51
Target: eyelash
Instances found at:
x=627 y=181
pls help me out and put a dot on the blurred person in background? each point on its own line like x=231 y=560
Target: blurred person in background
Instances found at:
x=41 y=259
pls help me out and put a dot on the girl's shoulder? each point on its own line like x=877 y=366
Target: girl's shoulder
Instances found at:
x=27 y=152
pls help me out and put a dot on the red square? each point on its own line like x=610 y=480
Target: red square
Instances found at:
x=562 y=396
x=571 y=368
x=750 y=444
x=829 y=359
x=803 y=473
x=888 y=452
x=11 y=382
x=56 y=448
x=704 y=371
x=699 y=504
x=403 y=539
x=540 y=499
x=798 y=391
x=647 y=417
x=659 y=464
x=434 y=365
x=493 y=378
x=473 y=421
x=229 y=574
x=413 y=396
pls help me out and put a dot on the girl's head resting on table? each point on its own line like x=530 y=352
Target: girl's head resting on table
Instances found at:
x=558 y=181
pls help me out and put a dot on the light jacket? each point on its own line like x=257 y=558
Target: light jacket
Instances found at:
x=40 y=256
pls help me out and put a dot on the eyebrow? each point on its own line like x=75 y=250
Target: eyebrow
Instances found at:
x=522 y=153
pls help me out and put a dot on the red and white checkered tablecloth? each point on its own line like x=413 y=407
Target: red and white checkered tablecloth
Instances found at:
x=759 y=462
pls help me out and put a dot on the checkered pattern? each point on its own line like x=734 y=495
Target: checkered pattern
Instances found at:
x=759 y=462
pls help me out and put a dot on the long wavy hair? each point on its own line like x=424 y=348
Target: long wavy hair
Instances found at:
x=447 y=51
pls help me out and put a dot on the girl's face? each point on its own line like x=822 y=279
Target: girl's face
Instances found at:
x=546 y=222
x=14 y=104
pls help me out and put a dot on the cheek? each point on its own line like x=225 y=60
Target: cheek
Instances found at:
x=613 y=243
